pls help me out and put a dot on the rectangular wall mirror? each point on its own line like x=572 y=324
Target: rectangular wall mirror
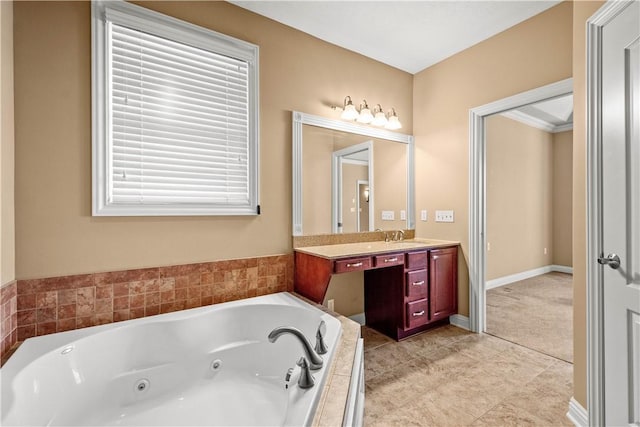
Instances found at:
x=350 y=178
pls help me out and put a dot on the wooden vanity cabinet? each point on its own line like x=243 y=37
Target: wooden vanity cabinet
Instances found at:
x=404 y=292
x=443 y=271
x=403 y=300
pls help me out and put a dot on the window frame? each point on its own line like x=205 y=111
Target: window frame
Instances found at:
x=152 y=22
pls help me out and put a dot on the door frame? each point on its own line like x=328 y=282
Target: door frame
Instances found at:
x=337 y=159
x=477 y=189
x=595 y=291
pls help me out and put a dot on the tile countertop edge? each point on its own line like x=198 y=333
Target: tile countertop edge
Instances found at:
x=372 y=248
x=333 y=400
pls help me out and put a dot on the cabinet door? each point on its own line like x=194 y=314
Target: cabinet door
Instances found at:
x=443 y=281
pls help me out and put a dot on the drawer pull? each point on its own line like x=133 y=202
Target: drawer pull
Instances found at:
x=356 y=264
x=395 y=259
x=418 y=313
x=420 y=283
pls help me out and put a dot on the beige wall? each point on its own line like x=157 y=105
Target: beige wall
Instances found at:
x=56 y=234
x=529 y=186
x=7 y=214
x=316 y=181
x=532 y=54
x=390 y=183
x=519 y=197
x=582 y=10
x=347 y=292
x=562 y=198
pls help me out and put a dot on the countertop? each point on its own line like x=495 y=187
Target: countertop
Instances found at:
x=371 y=248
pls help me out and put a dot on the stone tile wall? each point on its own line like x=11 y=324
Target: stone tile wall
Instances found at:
x=8 y=319
x=45 y=306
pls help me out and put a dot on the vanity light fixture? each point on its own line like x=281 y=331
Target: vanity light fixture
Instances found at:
x=393 y=123
x=379 y=119
x=349 y=111
x=364 y=115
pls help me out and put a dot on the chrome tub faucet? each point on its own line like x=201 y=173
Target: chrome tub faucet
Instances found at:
x=315 y=361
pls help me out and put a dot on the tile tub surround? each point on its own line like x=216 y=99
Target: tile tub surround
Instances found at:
x=8 y=319
x=57 y=304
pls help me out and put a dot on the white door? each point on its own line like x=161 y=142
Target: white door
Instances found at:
x=621 y=216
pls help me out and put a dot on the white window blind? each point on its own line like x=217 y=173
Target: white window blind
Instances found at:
x=180 y=136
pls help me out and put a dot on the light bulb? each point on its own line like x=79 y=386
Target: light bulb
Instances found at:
x=379 y=119
x=393 y=122
x=349 y=112
x=365 y=113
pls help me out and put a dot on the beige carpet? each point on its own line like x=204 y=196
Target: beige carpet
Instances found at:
x=535 y=313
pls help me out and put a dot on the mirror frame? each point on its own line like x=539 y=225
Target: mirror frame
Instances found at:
x=299 y=119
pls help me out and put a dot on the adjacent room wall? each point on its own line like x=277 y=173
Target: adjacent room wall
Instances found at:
x=56 y=234
x=534 y=53
x=562 y=198
x=7 y=147
x=520 y=168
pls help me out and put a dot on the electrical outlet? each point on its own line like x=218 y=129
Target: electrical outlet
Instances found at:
x=403 y=215
x=545 y=251
x=423 y=215
x=388 y=215
x=488 y=246
x=444 y=216
x=331 y=304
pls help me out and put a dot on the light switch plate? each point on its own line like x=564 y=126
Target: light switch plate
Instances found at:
x=423 y=215
x=444 y=216
x=388 y=215
x=403 y=215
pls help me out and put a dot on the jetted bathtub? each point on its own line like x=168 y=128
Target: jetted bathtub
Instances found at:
x=206 y=366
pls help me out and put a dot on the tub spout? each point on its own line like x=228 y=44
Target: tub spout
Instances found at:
x=315 y=361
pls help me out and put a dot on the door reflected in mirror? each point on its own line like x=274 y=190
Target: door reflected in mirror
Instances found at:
x=346 y=179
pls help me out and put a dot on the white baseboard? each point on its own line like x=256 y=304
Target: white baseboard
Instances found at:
x=460 y=321
x=505 y=280
x=562 y=269
x=577 y=414
x=359 y=318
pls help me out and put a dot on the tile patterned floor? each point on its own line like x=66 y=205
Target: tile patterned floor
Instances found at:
x=451 y=377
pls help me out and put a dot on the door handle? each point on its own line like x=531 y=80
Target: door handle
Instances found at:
x=612 y=260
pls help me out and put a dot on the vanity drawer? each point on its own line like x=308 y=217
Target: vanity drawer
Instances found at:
x=352 y=264
x=416 y=284
x=417 y=313
x=388 y=260
x=417 y=260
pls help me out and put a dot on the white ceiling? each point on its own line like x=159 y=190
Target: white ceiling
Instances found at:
x=409 y=35
x=552 y=115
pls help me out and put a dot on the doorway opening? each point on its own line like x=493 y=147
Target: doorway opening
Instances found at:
x=478 y=189
x=529 y=182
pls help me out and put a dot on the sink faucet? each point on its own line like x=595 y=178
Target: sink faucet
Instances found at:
x=398 y=236
x=315 y=361
x=386 y=236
